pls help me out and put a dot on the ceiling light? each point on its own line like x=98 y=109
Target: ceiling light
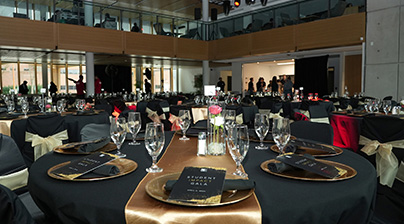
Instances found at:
x=285 y=63
x=237 y=3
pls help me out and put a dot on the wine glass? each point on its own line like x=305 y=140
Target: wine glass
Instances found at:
x=134 y=125
x=77 y=103
x=238 y=144
x=229 y=119
x=154 y=141
x=10 y=106
x=281 y=132
x=386 y=106
x=60 y=106
x=118 y=133
x=24 y=107
x=82 y=104
x=261 y=125
x=184 y=122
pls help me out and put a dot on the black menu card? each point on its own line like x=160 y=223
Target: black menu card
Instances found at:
x=84 y=165
x=311 y=165
x=202 y=185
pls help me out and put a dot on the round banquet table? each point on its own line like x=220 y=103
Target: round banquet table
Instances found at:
x=281 y=200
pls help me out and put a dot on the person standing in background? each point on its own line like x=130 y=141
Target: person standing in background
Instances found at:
x=23 y=88
x=53 y=88
x=79 y=86
x=221 y=84
x=147 y=86
x=97 y=85
x=251 y=86
x=275 y=87
x=287 y=87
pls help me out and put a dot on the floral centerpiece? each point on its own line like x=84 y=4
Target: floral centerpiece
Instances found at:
x=216 y=142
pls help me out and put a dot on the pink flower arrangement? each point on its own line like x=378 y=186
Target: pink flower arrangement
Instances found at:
x=48 y=106
x=215 y=109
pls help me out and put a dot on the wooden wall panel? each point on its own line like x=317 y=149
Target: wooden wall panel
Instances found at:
x=274 y=40
x=146 y=44
x=27 y=33
x=231 y=47
x=82 y=38
x=339 y=31
x=353 y=73
x=195 y=49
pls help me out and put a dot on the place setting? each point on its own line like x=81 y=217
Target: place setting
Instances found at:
x=297 y=158
x=208 y=186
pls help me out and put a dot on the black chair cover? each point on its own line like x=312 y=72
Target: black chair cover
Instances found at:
x=313 y=131
x=12 y=210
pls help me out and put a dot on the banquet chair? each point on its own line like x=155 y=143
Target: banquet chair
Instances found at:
x=13 y=171
x=42 y=134
x=239 y=113
x=318 y=114
x=313 y=131
x=382 y=138
x=12 y=210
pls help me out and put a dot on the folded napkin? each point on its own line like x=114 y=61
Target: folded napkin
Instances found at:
x=90 y=146
x=280 y=167
x=229 y=184
x=103 y=171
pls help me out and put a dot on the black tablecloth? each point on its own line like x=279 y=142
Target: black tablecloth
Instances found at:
x=281 y=200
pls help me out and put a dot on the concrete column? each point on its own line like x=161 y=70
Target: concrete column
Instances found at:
x=88 y=13
x=89 y=73
x=237 y=77
x=206 y=72
x=205 y=18
x=45 y=81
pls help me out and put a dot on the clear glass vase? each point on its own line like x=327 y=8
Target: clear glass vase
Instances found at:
x=215 y=138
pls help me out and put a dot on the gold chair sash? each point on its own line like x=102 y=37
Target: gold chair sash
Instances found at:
x=400 y=172
x=15 y=180
x=276 y=115
x=44 y=145
x=239 y=119
x=386 y=161
x=154 y=116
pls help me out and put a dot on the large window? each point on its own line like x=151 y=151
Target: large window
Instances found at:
x=27 y=73
x=157 y=79
x=9 y=77
x=167 y=79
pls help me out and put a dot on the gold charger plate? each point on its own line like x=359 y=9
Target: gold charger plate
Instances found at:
x=256 y=139
x=125 y=166
x=155 y=189
x=74 y=151
x=313 y=152
x=306 y=175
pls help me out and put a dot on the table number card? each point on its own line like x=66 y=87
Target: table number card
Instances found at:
x=203 y=185
x=84 y=165
x=311 y=165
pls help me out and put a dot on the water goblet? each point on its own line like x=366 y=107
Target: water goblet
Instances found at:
x=229 y=119
x=238 y=144
x=134 y=125
x=281 y=133
x=60 y=106
x=386 y=106
x=77 y=103
x=118 y=133
x=10 y=106
x=25 y=107
x=154 y=141
x=184 y=122
x=82 y=104
x=261 y=125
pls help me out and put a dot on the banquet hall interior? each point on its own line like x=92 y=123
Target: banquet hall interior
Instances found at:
x=147 y=91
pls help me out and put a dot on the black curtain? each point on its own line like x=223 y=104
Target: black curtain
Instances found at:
x=115 y=78
x=311 y=74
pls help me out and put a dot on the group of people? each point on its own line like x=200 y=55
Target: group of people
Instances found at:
x=283 y=86
x=80 y=86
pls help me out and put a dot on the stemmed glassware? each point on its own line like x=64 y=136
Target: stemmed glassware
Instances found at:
x=238 y=144
x=118 y=133
x=82 y=104
x=261 y=125
x=60 y=106
x=386 y=106
x=25 y=107
x=154 y=141
x=10 y=106
x=77 y=103
x=281 y=133
x=229 y=119
x=184 y=122
x=134 y=125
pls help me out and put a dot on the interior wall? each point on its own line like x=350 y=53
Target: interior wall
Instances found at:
x=384 y=62
x=186 y=75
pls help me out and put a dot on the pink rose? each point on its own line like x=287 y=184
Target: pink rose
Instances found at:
x=215 y=109
x=48 y=106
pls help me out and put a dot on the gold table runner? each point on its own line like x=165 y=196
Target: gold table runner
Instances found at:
x=141 y=208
